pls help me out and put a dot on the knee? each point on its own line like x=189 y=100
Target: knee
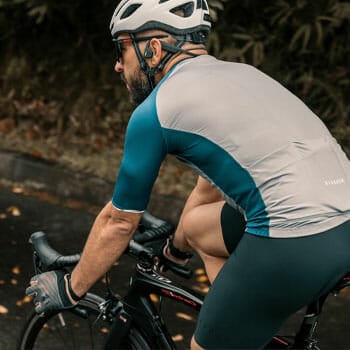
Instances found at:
x=190 y=226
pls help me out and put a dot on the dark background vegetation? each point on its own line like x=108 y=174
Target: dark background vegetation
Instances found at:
x=59 y=95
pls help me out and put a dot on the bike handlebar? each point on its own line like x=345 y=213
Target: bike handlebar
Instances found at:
x=54 y=260
x=49 y=256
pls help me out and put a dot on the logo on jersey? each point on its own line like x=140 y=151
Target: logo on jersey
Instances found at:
x=334 y=182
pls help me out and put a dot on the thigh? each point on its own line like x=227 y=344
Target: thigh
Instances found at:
x=234 y=314
x=214 y=228
x=203 y=229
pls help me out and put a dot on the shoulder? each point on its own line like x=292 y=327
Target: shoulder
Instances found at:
x=145 y=114
x=185 y=88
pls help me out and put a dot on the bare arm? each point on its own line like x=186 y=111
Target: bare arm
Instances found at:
x=203 y=193
x=108 y=238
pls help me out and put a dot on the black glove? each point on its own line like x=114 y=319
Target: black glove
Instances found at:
x=173 y=255
x=52 y=291
x=176 y=253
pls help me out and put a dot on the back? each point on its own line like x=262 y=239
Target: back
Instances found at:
x=259 y=144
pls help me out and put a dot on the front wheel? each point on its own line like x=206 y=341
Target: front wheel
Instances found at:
x=80 y=328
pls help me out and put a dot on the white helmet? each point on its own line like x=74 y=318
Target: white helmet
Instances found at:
x=132 y=16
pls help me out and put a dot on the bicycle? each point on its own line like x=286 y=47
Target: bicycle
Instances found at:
x=134 y=321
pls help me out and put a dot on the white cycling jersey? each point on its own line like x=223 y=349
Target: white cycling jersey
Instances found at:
x=260 y=145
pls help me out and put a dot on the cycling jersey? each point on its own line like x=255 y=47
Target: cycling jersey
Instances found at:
x=270 y=155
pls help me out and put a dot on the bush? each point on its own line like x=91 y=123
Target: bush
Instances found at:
x=303 y=44
x=60 y=54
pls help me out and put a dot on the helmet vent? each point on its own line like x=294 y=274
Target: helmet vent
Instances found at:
x=201 y=4
x=185 y=10
x=130 y=10
x=177 y=17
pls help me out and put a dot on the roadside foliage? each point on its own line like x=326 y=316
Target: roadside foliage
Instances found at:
x=57 y=80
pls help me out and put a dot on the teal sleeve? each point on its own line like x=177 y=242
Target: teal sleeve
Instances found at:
x=144 y=151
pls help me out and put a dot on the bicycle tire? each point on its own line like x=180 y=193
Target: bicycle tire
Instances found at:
x=69 y=330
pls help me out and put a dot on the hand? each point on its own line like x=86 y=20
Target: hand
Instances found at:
x=52 y=291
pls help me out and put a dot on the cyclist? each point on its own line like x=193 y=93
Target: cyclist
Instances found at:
x=272 y=203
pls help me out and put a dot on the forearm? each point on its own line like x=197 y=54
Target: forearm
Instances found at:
x=107 y=241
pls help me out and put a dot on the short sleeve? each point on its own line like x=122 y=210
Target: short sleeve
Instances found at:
x=144 y=151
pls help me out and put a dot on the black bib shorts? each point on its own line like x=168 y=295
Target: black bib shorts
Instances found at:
x=265 y=280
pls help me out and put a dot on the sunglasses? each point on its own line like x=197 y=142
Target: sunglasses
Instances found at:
x=119 y=42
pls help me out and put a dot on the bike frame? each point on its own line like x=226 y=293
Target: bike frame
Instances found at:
x=137 y=308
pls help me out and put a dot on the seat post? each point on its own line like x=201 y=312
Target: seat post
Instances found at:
x=305 y=336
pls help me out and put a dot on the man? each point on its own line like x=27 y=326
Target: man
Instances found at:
x=270 y=213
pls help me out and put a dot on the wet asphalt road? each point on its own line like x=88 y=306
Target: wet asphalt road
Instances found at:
x=67 y=228
x=22 y=215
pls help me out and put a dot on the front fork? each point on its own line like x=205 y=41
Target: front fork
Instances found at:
x=119 y=331
x=125 y=317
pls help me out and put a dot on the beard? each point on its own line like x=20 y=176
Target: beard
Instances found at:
x=138 y=86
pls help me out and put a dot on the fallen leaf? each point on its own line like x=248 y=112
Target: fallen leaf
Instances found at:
x=31 y=135
x=23 y=301
x=104 y=330
x=13 y=281
x=27 y=299
x=14 y=211
x=177 y=337
x=17 y=190
x=47 y=197
x=3 y=216
x=16 y=270
x=6 y=125
x=3 y=310
x=73 y=204
x=184 y=316
x=202 y=279
x=202 y=289
x=154 y=298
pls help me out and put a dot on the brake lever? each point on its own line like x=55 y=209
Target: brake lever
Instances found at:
x=164 y=265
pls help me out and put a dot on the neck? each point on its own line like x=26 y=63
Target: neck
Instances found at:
x=198 y=50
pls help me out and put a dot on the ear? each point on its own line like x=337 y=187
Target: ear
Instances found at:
x=154 y=52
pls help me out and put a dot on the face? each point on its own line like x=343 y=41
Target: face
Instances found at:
x=129 y=68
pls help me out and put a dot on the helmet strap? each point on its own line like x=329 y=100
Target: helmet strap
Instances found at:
x=149 y=71
x=171 y=49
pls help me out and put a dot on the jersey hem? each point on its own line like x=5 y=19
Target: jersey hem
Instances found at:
x=309 y=230
x=128 y=210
